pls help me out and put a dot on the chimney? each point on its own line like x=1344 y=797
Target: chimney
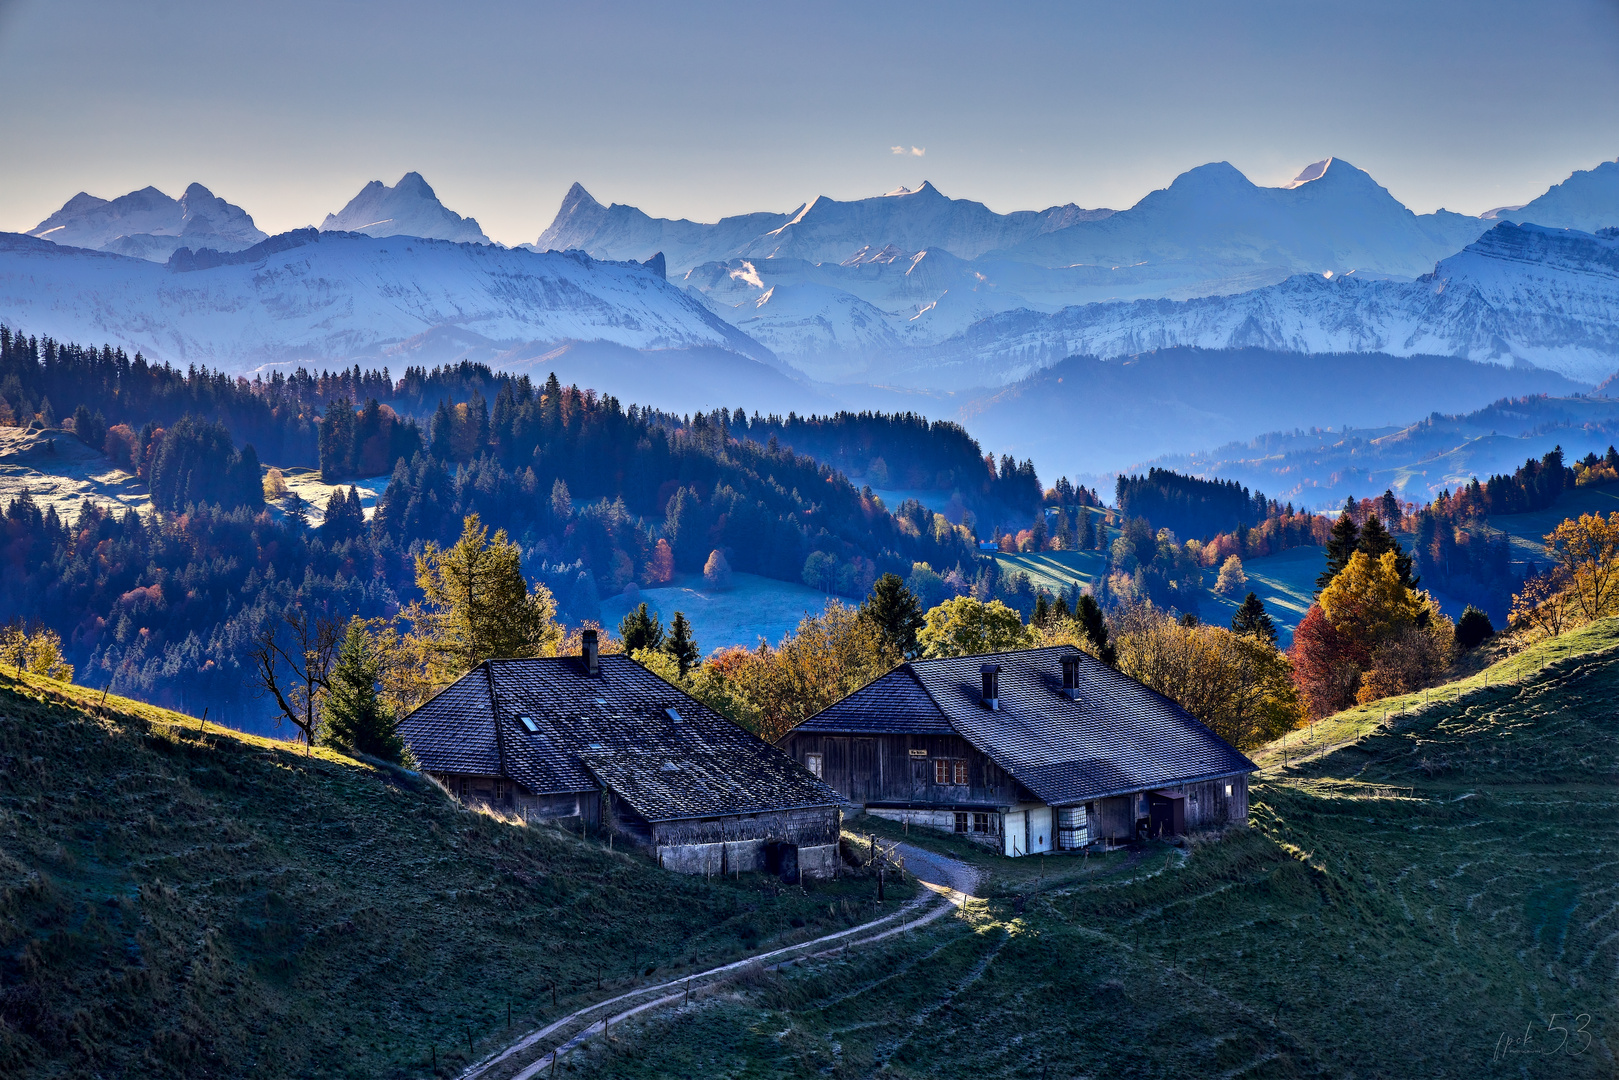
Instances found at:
x=1070 y=676
x=592 y=657
x=991 y=674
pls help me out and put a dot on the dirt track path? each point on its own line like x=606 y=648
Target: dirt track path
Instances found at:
x=947 y=886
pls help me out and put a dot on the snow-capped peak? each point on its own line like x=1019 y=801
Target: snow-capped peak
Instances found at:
x=1312 y=171
x=409 y=208
x=150 y=225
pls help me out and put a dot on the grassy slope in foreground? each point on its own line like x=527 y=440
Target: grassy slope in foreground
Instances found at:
x=1407 y=905
x=182 y=904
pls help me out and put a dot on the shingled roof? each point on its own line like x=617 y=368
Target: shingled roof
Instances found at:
x=1116 y=736
x=659 y=750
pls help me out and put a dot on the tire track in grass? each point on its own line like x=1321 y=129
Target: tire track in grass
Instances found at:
x=952 y=891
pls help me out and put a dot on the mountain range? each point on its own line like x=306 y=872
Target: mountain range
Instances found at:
x=149 y=225
x=334 y=298
x=910 y=299
x=838 y=288
x=1519 y=294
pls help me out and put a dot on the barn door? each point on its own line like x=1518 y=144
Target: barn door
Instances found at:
x=866 y=783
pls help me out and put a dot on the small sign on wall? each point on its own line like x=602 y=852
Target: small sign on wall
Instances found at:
x=919 y=753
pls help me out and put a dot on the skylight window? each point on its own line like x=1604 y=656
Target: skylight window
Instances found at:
x=528 y=722
x=676 y=717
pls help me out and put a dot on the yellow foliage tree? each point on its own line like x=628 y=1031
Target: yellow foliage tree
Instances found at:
x=1241 y=687
x=770 y=689
x=478 y=605
x=1586 y=550
x=1405 y=639
x=1232 y=577
x=966 y=626
x=1367 y=603
x=37 y=651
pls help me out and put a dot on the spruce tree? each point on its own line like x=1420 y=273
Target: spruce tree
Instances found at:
x=440 y=432
x=895 y=613
x=1375 y=540
x=1042 y=609
x=1340 y=546
x=1089 y=613
x=1473 y=628
x=353 y=718
x=680 y=645
x=1252 y=620
x=641 y=629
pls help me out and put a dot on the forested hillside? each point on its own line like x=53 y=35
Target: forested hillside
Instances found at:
x=599 y=496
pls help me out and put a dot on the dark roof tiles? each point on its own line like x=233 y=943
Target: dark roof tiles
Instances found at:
x=896 y=702
x=615 y=730
x=1115 y=736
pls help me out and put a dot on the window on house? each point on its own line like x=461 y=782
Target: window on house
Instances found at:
x=1228 y=791
x=812 y=762
x=981 y=823
x=961 y=772
x=949 y=771
x=466 y=787
x=961 y=822
x=500 y=790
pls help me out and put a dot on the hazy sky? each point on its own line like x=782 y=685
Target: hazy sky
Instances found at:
x=702 y=110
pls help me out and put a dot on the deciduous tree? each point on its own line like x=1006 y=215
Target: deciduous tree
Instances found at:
x=966 y=626
x=1586 y=550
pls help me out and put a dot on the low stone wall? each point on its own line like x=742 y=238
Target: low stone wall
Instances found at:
x=820 y=861
x=742 y=856
x=704 y=859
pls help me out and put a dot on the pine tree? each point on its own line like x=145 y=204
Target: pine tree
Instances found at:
x=895 y=614
x=1252 y=620
x=353 y=717
x=680 y=645
x=1340 y=546
x=641 y=629
x=1042 y=609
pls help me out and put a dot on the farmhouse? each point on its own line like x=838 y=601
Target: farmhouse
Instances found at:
x=1030 y=751
x=603 y=739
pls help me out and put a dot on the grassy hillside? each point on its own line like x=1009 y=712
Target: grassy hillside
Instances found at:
x=1413 y=903
x=1285 y=582
x=754 y=607
x=1528 y=531
x=176 y=903
x=56 y=469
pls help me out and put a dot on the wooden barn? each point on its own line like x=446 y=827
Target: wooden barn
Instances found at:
x=1030 y=751
x=603 y=739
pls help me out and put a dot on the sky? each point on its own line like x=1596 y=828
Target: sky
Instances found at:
x=702 y=110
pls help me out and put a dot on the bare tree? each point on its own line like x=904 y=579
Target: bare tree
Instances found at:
x=292 y=662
